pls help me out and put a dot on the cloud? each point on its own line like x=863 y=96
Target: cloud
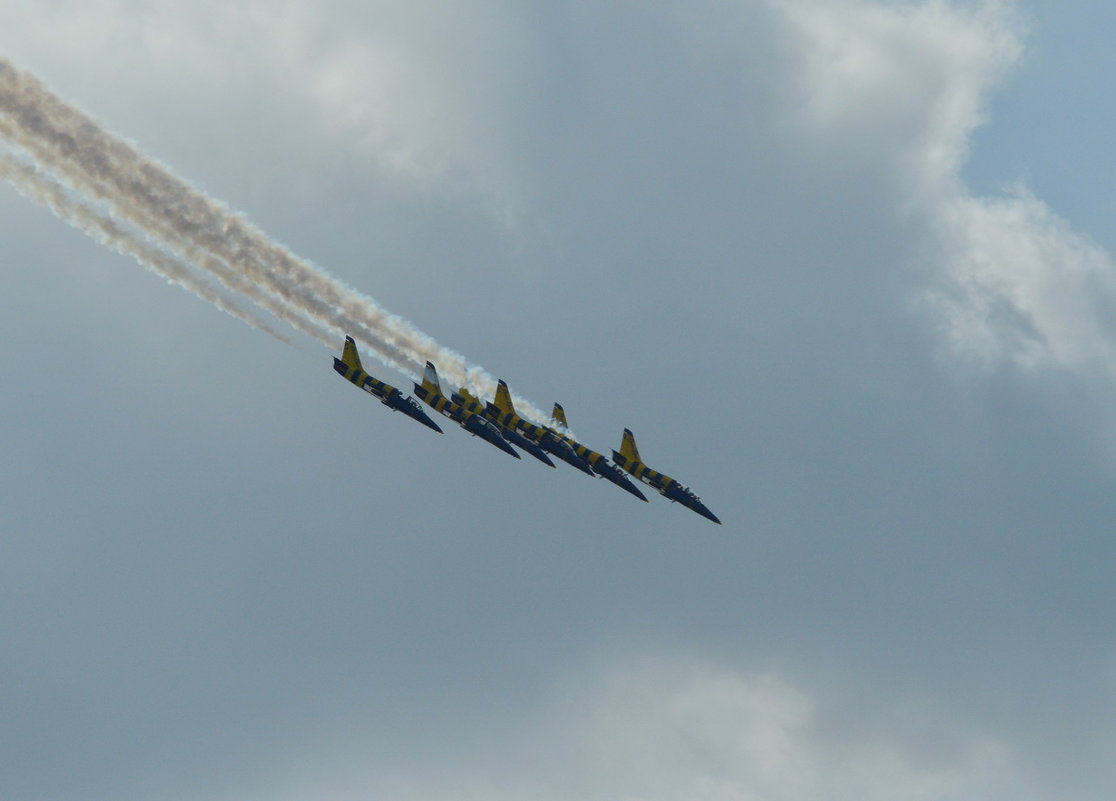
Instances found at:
x=1020 y=285
x=723 y=192
x=670 y=729
x=903 y=82
x=1007 y=279
x=388 y=82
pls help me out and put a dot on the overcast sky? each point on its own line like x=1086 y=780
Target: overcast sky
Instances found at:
x=843 y=266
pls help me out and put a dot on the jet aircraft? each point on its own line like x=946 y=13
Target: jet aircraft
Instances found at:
x=599 y=464
x=503 y=413
x=628 y=458
x=467 y=401
x=430 y=393
x=349 y=367
x=498 y=423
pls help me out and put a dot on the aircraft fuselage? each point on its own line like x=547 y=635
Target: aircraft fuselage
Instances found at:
x=351 y=370
x=628 y=459
x=474 y=424
x=541 y=436
x=474 y=407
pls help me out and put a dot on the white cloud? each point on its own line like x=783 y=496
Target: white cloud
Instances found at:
x=678 y=730
x=907 y=81
x=1020 y=284
x=892 y=88
x=432 y=96
x=1007 y=278
x=412 y=91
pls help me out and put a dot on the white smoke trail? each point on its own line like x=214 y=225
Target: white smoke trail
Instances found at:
x=202 y=231
x=36 y=186
x=201 y=244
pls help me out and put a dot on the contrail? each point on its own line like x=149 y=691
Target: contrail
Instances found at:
x=204 y=233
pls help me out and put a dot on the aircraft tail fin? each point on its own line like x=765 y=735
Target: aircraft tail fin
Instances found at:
x=628 y=448
x=559 y=416
x=503 y=398
x=350 y=357
x=430 y=379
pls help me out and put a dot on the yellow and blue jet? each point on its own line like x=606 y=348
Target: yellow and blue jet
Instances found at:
x=628 y=458
x=430 y=393
x=599 y=464
x=467 y=401
x=502 y=412
x=350 y=368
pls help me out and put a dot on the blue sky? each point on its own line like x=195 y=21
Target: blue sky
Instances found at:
x=844 y=268
x=1045 y=122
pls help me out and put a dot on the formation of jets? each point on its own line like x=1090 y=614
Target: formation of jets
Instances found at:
x=497 y=423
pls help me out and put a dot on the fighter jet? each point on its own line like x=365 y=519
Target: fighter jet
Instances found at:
x=628 y=458
x=600 y=465
x=468 y=402
x=430 y=393
x=350 y=368
x=502 y=412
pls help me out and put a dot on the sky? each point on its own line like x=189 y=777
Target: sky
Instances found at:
x=843 y=266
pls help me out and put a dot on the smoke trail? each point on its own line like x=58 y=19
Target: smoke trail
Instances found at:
x=38 y=187
x=208 y=235
x=201 y=244
x=35 y=186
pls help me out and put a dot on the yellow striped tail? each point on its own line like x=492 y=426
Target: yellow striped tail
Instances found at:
x=350 y=357
x=503 y=399
x=628 y=448
x=559 y=416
